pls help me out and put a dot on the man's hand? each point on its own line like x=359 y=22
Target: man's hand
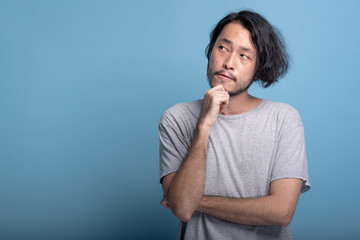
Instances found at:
x=215 y=100
x=164 y=203
x=184 y=189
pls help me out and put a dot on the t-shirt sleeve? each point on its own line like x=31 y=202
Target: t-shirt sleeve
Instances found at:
x=291 y=161
x=173 y=149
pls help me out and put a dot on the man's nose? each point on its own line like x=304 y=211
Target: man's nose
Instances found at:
x=230 y=62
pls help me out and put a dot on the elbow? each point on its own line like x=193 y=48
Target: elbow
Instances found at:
x=181 y=212
x=285 y=217
x=183 y=217
x=285 y=221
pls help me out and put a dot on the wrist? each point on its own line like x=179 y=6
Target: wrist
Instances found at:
x=203 y=129
x=201 y=135
x=203 y=126
x=204 y=204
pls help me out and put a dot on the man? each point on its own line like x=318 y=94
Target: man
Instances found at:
x=232 y=166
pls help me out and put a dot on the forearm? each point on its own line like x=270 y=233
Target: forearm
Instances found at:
x=267 y=210
x=186 y=188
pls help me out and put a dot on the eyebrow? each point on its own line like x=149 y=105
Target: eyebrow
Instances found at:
x=248 y=50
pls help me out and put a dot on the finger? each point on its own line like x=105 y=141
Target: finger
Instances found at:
x=217 y=88
x=223 y=107
x=216 y=94
x=222 y=97
x=224 y=103
x=164 y=203
x=218 y=99
x=165 y=206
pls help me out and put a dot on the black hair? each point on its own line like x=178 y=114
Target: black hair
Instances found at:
x=272 y=59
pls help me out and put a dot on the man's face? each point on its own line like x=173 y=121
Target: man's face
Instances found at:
x=233 y=60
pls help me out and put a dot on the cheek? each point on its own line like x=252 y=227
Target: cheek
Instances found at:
x=210 y=66
x=214 y=65
x=248 y=69
x=214 y=60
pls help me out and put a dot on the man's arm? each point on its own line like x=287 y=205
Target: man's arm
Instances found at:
x=184 y=189
x=276 y=209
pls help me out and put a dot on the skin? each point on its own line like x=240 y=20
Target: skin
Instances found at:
x=231 y=71
x=233 y=61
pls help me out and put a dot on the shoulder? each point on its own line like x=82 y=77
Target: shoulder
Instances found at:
x=284 y=113
x=182 y=112
x=183 y=116
x=280 y=107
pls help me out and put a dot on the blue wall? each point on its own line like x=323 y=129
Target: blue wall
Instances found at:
x=83 y=85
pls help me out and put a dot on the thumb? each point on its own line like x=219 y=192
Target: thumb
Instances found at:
x=223 y=106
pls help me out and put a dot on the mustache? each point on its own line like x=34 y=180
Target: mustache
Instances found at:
x=228 y=74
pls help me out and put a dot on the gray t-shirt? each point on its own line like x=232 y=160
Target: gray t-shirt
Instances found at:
x=245 y=154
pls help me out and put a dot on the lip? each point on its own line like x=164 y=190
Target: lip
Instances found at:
x=224 y=76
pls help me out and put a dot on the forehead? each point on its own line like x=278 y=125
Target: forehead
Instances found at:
x=237 y=35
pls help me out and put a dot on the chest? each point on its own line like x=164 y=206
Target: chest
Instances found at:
x=240 y=158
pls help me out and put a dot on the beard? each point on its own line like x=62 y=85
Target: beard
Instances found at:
x=239 y=89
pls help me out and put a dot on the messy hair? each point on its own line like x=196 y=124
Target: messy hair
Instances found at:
x=272 y=59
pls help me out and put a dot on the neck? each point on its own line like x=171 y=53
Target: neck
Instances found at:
x=241 y=103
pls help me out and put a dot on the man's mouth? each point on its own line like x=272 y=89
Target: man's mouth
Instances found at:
x=228 y=76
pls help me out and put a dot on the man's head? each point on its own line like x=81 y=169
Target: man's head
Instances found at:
x=245 y=47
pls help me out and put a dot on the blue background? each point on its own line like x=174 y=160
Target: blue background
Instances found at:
x=83 y=85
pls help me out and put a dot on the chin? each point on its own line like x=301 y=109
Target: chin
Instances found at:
x=227 y=86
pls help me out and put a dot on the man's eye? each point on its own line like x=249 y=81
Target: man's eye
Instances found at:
x=244 y=56
x=222 y=48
